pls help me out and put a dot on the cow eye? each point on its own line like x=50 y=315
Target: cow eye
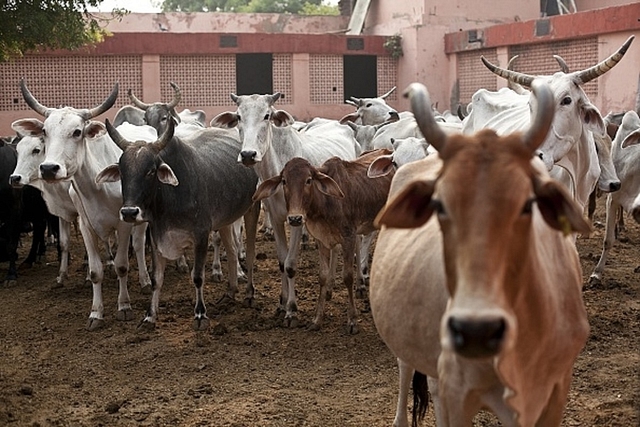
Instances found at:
x=44 y=132
x=283 y=181
x=566 y=100
x=36 y=151
x=308 y=181
x=369 y=104
x=528 y=207
x=77 y=133
x=151 y=173
x=267 y=116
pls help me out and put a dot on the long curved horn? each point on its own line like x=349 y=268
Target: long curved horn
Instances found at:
x=135 y=101
x=543 y=116
x=358 y=101
x=460 y=112
x=563 y=65
x=115 y=135
x=32 y=101
x=421 y=107
x=350 y=102
x=511 y=85
x=108 y=103
x=520 y=78
x=599 y=69
x=166 y=136
x=388 y=93
x=177 y=95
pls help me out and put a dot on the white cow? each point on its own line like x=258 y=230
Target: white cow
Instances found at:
x=475 y=282
x=371 y=111
x=569 y=148
x=268 y=143
x=626 y=155
x=77 y=150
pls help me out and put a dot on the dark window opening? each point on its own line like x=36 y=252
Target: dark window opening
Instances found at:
x=360 y=76
x=254 y=73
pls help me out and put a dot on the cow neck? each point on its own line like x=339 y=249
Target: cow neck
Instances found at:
x=581 y=163
x=284 y=145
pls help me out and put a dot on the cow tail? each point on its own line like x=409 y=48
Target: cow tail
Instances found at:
x=420 y=398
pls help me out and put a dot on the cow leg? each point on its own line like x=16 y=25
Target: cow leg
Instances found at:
x=139 y=237
x=405 y=374
x=201 y=321
x=158 y=265
x=325 y=269
x=38 y=244
x=63 y=241
x=289 y=270
x=251 y=229
x=363 y=267
x=121 y=265
x=216 y=266
x=609 y=239
x=553 y=413
x=331 y=280
x=237 y=235
x=349 y=250
x=226 y=234
x=96 y=275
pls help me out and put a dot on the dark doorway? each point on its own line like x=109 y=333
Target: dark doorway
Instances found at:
x=254 y=73
x=360 y=76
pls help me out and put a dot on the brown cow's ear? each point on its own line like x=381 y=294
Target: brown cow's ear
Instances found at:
x=558 y=208
x=326 y=185
x=410 y=209
x=267 y=188
x=381 y=166
x=352 y=117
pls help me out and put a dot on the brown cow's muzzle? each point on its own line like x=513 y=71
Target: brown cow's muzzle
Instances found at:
x=476 y=338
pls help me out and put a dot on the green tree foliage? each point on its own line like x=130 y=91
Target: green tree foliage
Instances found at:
x=306 y=7
x=55 y=24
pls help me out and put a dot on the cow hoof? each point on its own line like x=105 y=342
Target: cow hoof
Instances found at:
x=124 y=315
x=291 y=322
x=361 y=293
x=216 y=277
x=146 y=290
x=93 y=324
x=279 y=313
x=11 y=282
x=328 y=295
x=201 y=324
x=314 y=326
x=249 y=302
x=57 y=285
x=594 y=280
x=352 y=328
x=146 y=326
x=242 y=278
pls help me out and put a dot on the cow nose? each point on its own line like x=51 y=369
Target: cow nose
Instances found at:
x=129 y=214
x=295 y=220
x=49 y=171
x=14 y=180
x=614 y=186
x=476 y=338
x=248 y=157
x=393 y=115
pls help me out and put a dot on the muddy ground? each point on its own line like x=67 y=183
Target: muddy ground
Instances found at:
x=248 y=370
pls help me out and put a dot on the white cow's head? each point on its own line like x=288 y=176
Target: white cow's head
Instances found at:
x=30 y=154
x=575 y=114
x=254 y=118
x=64 y=131
x=371 y=111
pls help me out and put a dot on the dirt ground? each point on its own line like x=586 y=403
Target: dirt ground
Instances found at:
x=248 y=370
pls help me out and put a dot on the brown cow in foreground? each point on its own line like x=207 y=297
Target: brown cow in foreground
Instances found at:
x=337 y=202
x=475 y=279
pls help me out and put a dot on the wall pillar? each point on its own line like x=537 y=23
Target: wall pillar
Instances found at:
x=151 y=78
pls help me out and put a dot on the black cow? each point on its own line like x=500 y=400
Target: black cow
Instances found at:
x=184 y=188
x=21 y=210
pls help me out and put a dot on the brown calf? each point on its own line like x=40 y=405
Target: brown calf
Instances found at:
x=337 y=202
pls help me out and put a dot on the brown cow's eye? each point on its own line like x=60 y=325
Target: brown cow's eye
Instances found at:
x=528 y=207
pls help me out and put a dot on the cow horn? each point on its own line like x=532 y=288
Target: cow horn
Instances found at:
x=563 y=65
x=358 y=101
x=135 y=101
x=274 y=98
x=108 y=103
x=460 y=112
x=166 y=136
x=235 y=98
x=115 y=135
x=388 y=93
x=513 y=76
x=514 y=86
x=177 y=95
x=32 y=101
x=543 y=117
x=350 y=102
x=421 y=107
x=599 y=69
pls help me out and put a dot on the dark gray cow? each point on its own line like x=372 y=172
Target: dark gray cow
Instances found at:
x=184 y=188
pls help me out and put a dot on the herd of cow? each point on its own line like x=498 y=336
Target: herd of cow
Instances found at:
x=475 y=282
